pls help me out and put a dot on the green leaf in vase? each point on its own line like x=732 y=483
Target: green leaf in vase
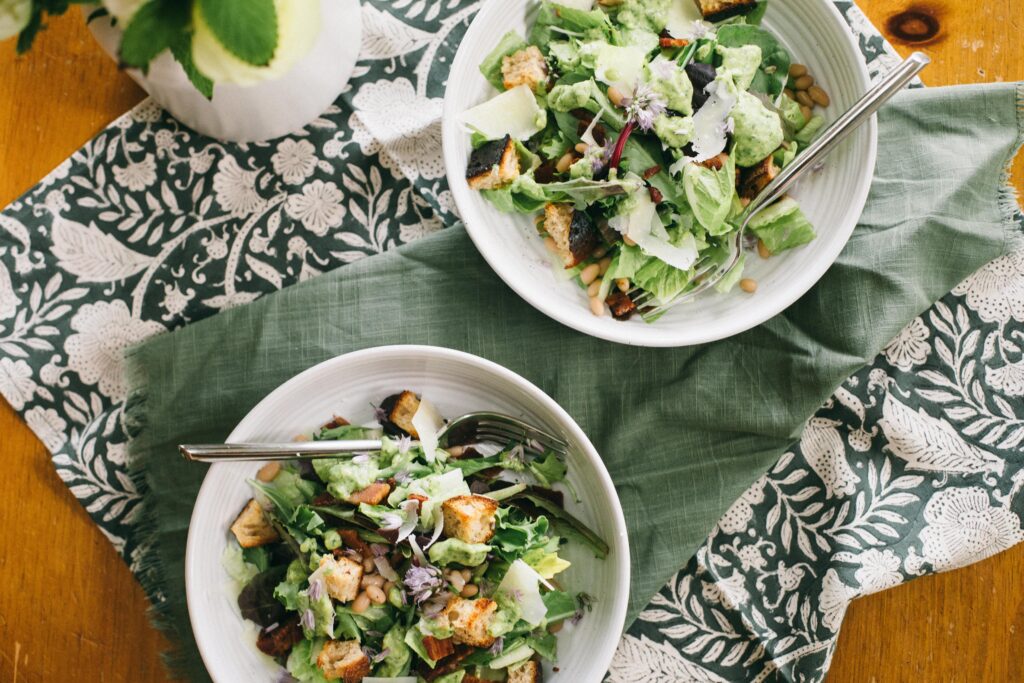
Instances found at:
x=246 y=28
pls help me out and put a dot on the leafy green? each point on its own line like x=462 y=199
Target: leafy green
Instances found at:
x=548 y=469
x=181 y=48
x=774 y=71
x=515 y=532
x=396 y=661
x=710 y=194
x=259 y=556
x=246 y=28
x=342 y=433
x=302 y=661
x=594 y=24
x=564 y=523
x=490 y=67
x=726 y=284
x=257 y=602
x=782 y=226
x=809 y=131
x=154 y=28
x=560 y=605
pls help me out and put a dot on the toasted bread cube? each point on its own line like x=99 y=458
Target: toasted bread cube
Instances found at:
x=525 y=672
x=372 y=494
x=525 y=67
x=573 y=231
x=470 y=619
x=343 y=660
x=469 y=518
x=718 y=10
x=493 y=164
x=251 y=527
x=400 y=409
x=342 y=576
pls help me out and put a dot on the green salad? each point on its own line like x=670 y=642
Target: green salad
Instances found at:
x=411 y=564
x=637 y=131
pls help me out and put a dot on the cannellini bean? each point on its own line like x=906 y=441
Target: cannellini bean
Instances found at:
x=622 y=284
x=590 y=273
x=550 y=243
x=582 y=147
x=762 y=249
x=596 y=306
x=748 y=285
x=376 y=595
x=797 y=70
x=361 y=603
x=565 y=162
x=804 y=82
x=368 y=565
x=803 y=98
x=594 y=287
x=615 y=95
x=605 y=264
x=819 y=96
x=469 y=591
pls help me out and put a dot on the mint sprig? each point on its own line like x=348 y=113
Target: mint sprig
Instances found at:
x=246 y=28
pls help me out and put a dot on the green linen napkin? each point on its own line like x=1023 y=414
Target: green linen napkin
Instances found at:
x=682 y=431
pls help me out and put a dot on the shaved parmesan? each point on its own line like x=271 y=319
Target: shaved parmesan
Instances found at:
x=620 y=66
x=428 y=423
x=522 y=584
x=514 y=112
x=684 y=19
x=643 y=226
x=710 y=123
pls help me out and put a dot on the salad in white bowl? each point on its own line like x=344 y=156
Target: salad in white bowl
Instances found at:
x=635 y=132
x=414 y=563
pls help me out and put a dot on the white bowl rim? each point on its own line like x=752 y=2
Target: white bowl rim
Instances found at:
x=663 y=337
x=587 y=449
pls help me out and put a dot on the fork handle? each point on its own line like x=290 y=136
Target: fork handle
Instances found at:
x=298 y=450
x=879 y=94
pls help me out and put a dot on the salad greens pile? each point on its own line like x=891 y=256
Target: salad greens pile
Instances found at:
x=641 y=131
x=412 y=564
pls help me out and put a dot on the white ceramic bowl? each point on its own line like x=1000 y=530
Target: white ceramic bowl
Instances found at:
x=456 y=383
x=833 y=199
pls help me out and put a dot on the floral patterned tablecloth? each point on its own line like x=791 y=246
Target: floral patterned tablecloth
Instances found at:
x=907 y=469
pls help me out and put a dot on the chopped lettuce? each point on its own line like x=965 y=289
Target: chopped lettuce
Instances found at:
x=782 y=226
x=710 y=194
x=773 y=72
x=565 y=97
x=345 y=476
x=546 y=563
x=397 y=658
x=302 y=661
x=809 y=131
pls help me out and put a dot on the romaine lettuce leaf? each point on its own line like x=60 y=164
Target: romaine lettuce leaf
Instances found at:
x=709 y=193
x=782 y=226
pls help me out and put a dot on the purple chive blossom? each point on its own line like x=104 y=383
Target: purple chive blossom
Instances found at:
x=361 y=458
x=663 y=68
x=378 y=549
x=584 y=603
x=404 y=444
x=403 y=477
x=498 y=646
x=435 y=606
x=316 y=589
x=644 y=106
x=379 y=414
x=818 y=167
x=271 y=628
x=285 y=677
x=308 y=620
x=423 y=582
x=380 y=656
x=700 y=29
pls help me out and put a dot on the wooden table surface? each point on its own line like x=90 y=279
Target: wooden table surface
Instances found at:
x=69 y=608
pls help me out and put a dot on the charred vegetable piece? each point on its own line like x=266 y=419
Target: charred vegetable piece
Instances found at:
x=756 y=178
x=493 y=164
x=718 y=10
x=621 y=305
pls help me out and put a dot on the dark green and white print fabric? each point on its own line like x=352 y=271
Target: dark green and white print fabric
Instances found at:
x=148 y=227
x=913 y=466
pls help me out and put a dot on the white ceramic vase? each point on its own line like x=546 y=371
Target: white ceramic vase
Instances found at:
x=268 y=109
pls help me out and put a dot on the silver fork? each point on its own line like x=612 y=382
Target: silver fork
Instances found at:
x=468 y=429
x=709 y=273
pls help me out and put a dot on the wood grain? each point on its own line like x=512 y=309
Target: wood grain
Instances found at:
x=69 y=608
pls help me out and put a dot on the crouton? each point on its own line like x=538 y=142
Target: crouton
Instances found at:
x=493 y=165
x=279 y=642
x=399 y=410
x=343 y=660
x=717 y=10
x=372 y=494
x=342 y=576
x=525 y=672
x=470 y=619
x=469 y=518
x=437 y=648
x=525 y=67
x=621 y=305
x=756 y=178
x=573 y=231
x=251 y=527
